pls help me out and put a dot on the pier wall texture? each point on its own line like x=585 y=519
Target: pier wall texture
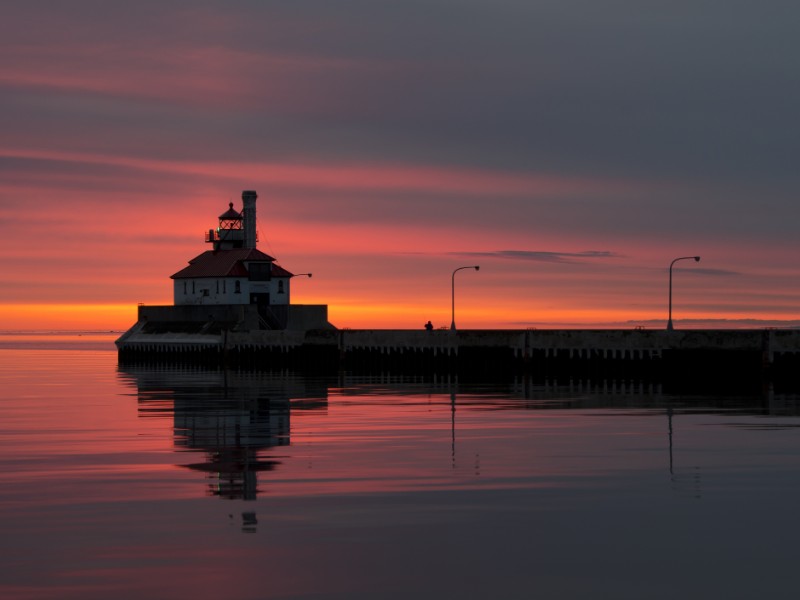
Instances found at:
x=635 y=352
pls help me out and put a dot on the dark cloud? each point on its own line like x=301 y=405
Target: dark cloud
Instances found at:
x=690 y=90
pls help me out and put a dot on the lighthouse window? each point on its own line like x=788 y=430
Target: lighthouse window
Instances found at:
x=184 y=287
x=218 y=286
x=224 y=290
x=259 y=271
x=237 y=287
x=280 y=287
x=194 y=291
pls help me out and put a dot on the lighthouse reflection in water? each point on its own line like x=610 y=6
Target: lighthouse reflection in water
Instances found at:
x=237 y=420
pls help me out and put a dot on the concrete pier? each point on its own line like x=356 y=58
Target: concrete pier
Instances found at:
x=765 y=352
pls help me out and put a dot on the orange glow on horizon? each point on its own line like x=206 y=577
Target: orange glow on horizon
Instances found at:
x=352 y=315
x=91 y=317
x=345 y=314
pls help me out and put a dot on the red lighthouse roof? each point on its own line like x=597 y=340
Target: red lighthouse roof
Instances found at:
x=227 y=263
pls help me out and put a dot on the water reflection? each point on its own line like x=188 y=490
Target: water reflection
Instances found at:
x=239 y=421
x=232 y=418
x=387 y=486
x=531 y=393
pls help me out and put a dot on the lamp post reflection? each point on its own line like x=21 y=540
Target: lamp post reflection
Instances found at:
x=685 y=483
x=453 y=429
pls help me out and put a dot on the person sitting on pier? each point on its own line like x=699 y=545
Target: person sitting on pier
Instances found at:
x=429 y=326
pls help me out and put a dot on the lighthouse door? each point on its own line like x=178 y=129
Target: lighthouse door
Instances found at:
x=261 y=301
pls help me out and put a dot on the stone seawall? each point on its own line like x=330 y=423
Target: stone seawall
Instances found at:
x=637 y=351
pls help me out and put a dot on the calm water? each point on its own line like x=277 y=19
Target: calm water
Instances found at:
x=167 y=483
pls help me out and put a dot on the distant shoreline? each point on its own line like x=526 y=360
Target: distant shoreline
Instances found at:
x=60 y=332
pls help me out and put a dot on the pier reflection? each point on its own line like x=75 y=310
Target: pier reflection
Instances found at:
x=531 y=393
x=240 y=420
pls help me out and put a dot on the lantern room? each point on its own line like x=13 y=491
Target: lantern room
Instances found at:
x=230 y=232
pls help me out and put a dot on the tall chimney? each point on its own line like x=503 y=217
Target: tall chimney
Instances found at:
x=249 y=217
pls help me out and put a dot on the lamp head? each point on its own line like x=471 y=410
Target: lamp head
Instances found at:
x=477 y=267
x=696 y=259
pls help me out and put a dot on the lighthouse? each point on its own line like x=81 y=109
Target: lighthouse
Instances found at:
x=234 y=271
x=230 y=296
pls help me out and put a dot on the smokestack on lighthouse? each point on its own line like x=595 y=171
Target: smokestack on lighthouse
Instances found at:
x=249 y=217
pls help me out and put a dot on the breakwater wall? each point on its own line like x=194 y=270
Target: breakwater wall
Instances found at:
x=766 y=352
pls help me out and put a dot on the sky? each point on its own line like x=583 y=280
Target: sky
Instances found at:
x=570 y=148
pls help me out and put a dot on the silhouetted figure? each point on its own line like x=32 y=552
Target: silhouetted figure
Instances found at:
x=429 y=326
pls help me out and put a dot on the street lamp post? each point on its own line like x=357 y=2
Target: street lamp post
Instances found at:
x=696 y=259
x=453 y=293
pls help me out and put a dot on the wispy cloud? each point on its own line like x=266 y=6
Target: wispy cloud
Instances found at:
x=541 y=255
x=711 y=272
x=346 y=175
